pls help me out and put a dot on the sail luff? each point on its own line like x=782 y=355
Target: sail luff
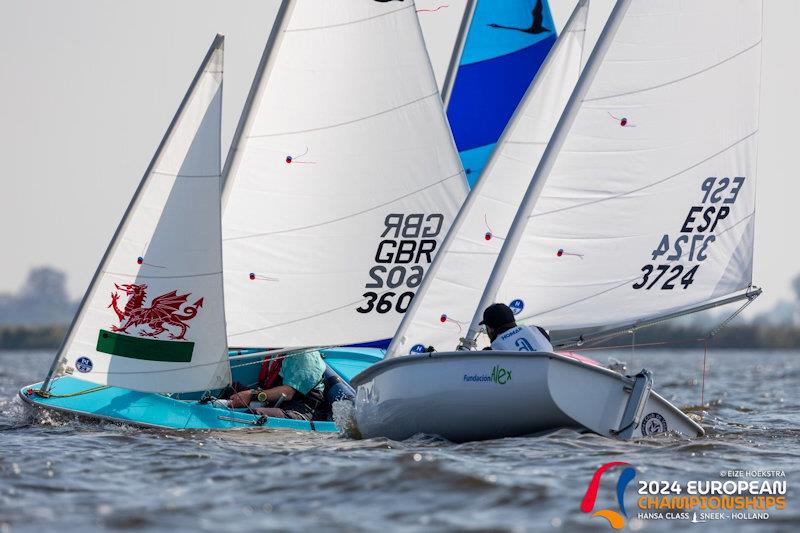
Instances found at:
x=217 y=44
x=545 y=166
x=394 y=348
x=247 y=117
x=458 y=49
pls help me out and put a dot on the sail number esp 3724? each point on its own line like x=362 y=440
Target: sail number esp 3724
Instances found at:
x=696 y=235
x=406 y=248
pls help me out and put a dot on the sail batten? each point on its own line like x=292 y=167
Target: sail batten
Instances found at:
x=348 y=216
x=347 y=122
x=646 y=186
x=677 y=80
x=153 y=276
x=352 y=22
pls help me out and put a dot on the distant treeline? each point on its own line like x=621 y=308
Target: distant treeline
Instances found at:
x=42 y=300
x=31 y=337
x=745 y=336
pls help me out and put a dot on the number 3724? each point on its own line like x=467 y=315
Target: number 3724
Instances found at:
x=665 y=277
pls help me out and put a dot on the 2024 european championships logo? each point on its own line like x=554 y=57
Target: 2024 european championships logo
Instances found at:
x=615 y=518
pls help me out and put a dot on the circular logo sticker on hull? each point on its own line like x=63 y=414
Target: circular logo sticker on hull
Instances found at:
x=517 y=306
x=83 y=364
x=417 y=348
x=653 y=423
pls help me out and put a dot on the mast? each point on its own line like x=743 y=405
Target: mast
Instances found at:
x=217 y=44
x=543 y=170
x=256 y=91
x=458 y=49
x=475 y=191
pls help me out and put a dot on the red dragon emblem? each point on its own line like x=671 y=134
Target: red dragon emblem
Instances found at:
x=163 y=311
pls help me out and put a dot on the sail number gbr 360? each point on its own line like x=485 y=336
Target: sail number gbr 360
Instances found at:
x=407 y=246
x=717 y=196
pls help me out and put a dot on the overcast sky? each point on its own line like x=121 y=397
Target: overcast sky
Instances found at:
x=89 y=87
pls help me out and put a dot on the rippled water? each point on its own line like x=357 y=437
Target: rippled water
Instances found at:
x=64 y=474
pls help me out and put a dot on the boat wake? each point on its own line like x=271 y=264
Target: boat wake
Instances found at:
x=344 y=416
x=14 y=414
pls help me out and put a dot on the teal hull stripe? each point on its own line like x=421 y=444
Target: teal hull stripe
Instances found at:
x=185 y=411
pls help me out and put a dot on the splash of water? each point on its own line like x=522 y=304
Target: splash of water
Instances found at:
x=344 y=414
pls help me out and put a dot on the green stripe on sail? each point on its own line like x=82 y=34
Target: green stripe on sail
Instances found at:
x=146 y=349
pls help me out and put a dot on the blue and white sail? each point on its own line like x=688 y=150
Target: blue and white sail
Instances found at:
x=507 y=42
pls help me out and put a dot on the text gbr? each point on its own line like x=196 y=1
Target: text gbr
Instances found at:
x=407 y=246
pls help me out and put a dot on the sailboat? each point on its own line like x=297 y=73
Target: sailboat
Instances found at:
x=152 y=319
x=636 y=205
x=341 y=182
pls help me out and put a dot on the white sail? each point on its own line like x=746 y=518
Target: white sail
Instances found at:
x=444 y=27
x=342 y=181
x=450 y=293
x=649 y=204
x=153 y=319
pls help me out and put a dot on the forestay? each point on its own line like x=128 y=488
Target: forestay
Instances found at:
x=450 y=293
x=342 y=181
x=153 y=318
x=650 y=203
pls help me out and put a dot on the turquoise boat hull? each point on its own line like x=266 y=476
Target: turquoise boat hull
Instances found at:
x=184 y=411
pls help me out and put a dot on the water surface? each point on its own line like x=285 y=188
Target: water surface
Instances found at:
x=59 y=473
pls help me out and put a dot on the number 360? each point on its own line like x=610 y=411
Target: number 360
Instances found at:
x=384 y=303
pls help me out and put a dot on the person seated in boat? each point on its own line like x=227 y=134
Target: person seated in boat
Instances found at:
x=290 y=386
x=506 y=335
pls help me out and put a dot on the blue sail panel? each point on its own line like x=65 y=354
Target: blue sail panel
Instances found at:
x=507 y=42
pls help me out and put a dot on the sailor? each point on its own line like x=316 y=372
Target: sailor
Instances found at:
x=506 y=335
x=290 y=386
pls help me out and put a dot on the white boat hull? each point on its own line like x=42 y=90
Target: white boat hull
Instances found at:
x=466 y=396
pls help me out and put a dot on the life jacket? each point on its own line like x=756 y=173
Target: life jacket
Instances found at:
x=522 y=339
x=270 y=371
